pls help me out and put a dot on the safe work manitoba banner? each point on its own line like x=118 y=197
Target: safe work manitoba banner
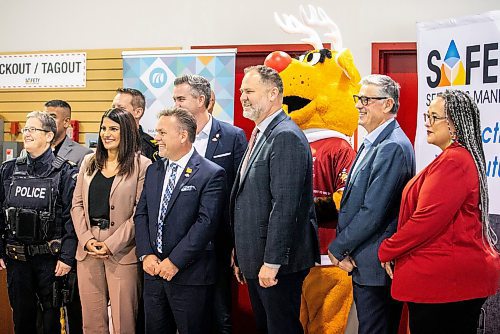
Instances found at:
x=462 y=53
x=153 y=73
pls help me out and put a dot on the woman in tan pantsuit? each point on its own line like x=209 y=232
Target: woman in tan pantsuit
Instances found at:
x=108 y=188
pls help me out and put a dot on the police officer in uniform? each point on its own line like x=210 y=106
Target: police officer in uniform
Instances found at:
x=133 y=101
x=38 y=241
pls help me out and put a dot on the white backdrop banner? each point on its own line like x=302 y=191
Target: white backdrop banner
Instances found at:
x=462 y=53
x=52 y=70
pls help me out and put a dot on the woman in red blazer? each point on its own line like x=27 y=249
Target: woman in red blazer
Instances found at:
x=445 y=263
x=108 y=188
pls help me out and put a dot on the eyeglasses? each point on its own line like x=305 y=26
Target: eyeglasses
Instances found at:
x=432 y=118
x=32 y=130
x=366 y=99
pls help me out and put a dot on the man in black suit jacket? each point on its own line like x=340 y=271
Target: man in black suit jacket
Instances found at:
x=64 y=146
x=175 y=222
x=134 y=102
x=223 y=144
x=272 y=207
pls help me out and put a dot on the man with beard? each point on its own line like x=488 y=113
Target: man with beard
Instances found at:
x=272 y=207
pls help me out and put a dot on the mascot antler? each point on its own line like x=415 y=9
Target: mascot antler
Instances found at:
x=292 y=25
x=318 y=17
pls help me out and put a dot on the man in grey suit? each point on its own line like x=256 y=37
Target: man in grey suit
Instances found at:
x=272 y=207
x=370 y=205
x=64 y=146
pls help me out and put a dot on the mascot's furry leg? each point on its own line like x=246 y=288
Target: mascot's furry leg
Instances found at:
x=326 y=300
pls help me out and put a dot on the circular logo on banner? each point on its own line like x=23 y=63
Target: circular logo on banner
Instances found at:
x=158 y=77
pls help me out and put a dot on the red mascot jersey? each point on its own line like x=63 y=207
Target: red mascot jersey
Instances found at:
x=332 y=159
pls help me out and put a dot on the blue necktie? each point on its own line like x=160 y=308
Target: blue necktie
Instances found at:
x=164 y=205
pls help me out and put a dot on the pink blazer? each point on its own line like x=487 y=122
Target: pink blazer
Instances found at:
x=125 y=194
x=438 y=249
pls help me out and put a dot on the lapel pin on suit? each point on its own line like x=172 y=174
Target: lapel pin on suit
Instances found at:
x=188 y=171
x=216 y=137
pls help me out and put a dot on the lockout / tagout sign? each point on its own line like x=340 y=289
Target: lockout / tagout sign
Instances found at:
x=55 y=70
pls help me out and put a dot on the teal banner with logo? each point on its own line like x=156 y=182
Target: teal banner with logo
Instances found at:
x=153 y=73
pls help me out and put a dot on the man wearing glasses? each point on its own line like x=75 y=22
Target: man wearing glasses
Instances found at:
x=370 y=204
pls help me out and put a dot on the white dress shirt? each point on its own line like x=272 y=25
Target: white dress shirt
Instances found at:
x=182 y=162
x=201 y=140
x=368 y=142
x=262 y=126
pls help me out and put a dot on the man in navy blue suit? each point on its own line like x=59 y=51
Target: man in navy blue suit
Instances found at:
x=225 y=145
x=176 y=221
x=370 y=204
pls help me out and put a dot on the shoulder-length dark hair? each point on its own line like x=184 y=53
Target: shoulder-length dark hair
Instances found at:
x=129 y=143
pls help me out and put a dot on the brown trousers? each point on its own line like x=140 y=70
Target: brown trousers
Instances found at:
x=103 y=280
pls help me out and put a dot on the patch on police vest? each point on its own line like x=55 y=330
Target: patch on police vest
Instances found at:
x=30 y=193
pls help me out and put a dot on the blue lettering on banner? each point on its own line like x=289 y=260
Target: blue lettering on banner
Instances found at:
x=492 y=169
x=491 y=135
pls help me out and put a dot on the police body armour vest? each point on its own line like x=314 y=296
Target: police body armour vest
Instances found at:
x=31 y=203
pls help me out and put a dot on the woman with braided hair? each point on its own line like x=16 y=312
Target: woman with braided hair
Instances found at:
x=443 y=259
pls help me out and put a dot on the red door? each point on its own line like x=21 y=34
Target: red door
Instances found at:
x=399 y=61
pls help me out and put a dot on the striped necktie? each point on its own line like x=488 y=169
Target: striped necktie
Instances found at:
x=164 y=205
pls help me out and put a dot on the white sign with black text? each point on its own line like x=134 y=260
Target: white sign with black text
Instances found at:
x=54 y=70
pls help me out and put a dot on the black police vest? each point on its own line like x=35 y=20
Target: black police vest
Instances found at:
x=31 y=203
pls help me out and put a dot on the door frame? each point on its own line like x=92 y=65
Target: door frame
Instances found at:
x=381 y=50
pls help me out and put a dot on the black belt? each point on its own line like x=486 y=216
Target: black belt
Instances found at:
x=19 y=251
x=102 y=223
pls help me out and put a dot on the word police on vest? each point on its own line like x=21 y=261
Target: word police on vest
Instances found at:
x=30 y=192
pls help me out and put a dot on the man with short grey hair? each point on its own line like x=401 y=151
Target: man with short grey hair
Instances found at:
x=370 y=204
x=175 y=224
x=223 y=144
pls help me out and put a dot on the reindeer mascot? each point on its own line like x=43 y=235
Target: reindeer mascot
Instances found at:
x=318 y=89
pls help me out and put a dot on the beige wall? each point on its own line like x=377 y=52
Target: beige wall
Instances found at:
x=104 y=76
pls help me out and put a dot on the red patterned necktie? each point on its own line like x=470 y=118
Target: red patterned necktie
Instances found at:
x=251 y=143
